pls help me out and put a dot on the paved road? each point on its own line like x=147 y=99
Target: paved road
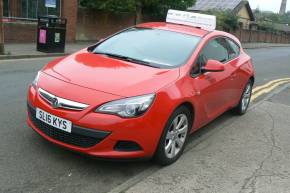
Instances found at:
x=240 y=155
x=30 y=164
x=270 y=63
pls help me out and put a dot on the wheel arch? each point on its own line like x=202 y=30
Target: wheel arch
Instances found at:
x=252 y=78
x=190 y=107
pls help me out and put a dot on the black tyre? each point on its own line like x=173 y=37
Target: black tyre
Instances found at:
x=174 y=136
x=245 y=100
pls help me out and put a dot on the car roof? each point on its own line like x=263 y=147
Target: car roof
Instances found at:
x=176 y=28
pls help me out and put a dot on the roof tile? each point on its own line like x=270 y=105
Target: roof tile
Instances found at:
x=215 y=4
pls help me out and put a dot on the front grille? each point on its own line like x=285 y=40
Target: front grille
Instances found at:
x=91 y=138
x=57 y=102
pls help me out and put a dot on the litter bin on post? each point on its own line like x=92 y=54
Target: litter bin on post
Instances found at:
x=51 y=33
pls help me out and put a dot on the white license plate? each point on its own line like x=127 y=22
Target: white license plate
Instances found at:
x=54 y=121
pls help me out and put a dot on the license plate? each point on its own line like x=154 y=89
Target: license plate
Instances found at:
x=54 y=121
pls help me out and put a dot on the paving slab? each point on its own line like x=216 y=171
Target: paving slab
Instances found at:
x=282 y=98
x=251 y=154
x=28 y=50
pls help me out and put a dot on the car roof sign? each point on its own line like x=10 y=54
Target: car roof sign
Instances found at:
x=203 y=21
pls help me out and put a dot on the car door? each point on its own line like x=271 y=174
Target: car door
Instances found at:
x=236 y=62
x=213 y=88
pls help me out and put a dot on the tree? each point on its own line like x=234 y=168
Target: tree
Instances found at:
x=157 y=8
x=1 y=29
x=268 y=21
x=226 y=20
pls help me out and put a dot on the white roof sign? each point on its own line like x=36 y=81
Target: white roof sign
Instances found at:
x=207 y=22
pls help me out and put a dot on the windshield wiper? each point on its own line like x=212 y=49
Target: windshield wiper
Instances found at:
x=128 y=59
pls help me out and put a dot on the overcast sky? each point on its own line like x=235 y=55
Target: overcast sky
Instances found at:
x=268 y=5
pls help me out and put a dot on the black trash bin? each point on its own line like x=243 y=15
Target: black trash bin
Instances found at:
x=51 y=33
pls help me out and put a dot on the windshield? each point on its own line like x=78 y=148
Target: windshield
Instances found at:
x=159 y=48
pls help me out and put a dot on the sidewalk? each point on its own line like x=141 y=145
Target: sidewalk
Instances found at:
x=245 y=154
x=28 y=50
x=17 y=51
x=262 y=45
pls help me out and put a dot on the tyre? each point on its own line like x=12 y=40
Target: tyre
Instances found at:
x=245 y=100
x=174 y=136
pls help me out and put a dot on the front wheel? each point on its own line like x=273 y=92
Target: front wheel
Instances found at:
x=245 y=99
x=174 y=136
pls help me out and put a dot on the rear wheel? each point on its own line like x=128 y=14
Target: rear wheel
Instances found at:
x=245 y=99
x=174 y=136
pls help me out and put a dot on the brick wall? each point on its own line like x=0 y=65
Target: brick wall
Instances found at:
x=19 y=32
x=94 y=25
x=70 y=11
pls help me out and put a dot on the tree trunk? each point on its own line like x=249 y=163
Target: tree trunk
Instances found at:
x=139 y=17
x=1 y=29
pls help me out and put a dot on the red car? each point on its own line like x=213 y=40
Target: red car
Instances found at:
x=140 y=92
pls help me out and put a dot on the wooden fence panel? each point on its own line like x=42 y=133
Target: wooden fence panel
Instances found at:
x=262 y=36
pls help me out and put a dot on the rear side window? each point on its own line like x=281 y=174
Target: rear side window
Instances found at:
x=234 y=49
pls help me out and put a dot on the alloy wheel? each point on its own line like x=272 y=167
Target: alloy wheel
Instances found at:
x=246 y=97
x=176 y=136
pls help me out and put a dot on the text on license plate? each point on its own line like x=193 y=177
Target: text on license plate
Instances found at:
x=53 y=121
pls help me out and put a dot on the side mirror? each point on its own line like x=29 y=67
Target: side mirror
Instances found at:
x=213 y=66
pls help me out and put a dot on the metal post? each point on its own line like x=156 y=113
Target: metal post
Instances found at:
x=60 y=8
x=9 y=14
x=2 y=51
x=27 y=8
x=36 y=13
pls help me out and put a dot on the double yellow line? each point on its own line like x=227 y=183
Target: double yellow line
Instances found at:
x=266 y=88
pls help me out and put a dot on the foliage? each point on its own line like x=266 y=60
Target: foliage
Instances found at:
x=266 y=26
x=273 y=17
x=266 y=19
x=226 y=20
x=154 y=7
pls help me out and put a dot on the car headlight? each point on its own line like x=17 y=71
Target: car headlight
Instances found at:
x=129 y=107
x=35 y=81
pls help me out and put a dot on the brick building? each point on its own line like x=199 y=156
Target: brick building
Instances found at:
x=20 y=17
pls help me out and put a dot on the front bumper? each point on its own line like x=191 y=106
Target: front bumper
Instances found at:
x=97 y=134
x=80 y=137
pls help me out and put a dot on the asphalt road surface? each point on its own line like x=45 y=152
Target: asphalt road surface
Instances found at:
x=270 y=63
x=30 y=164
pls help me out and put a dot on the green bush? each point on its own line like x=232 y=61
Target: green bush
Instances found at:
x=226 y=20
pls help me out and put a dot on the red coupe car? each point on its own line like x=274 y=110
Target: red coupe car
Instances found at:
x=140 y=93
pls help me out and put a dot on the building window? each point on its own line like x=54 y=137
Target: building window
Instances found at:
x=30 y=9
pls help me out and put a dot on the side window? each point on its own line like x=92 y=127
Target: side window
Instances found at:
x=216 y=49
x=234 y=49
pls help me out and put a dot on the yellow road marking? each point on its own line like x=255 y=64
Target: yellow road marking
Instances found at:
x=264 y=89
x=259 y=88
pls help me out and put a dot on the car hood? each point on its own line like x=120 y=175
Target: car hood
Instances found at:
x=110 y=75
